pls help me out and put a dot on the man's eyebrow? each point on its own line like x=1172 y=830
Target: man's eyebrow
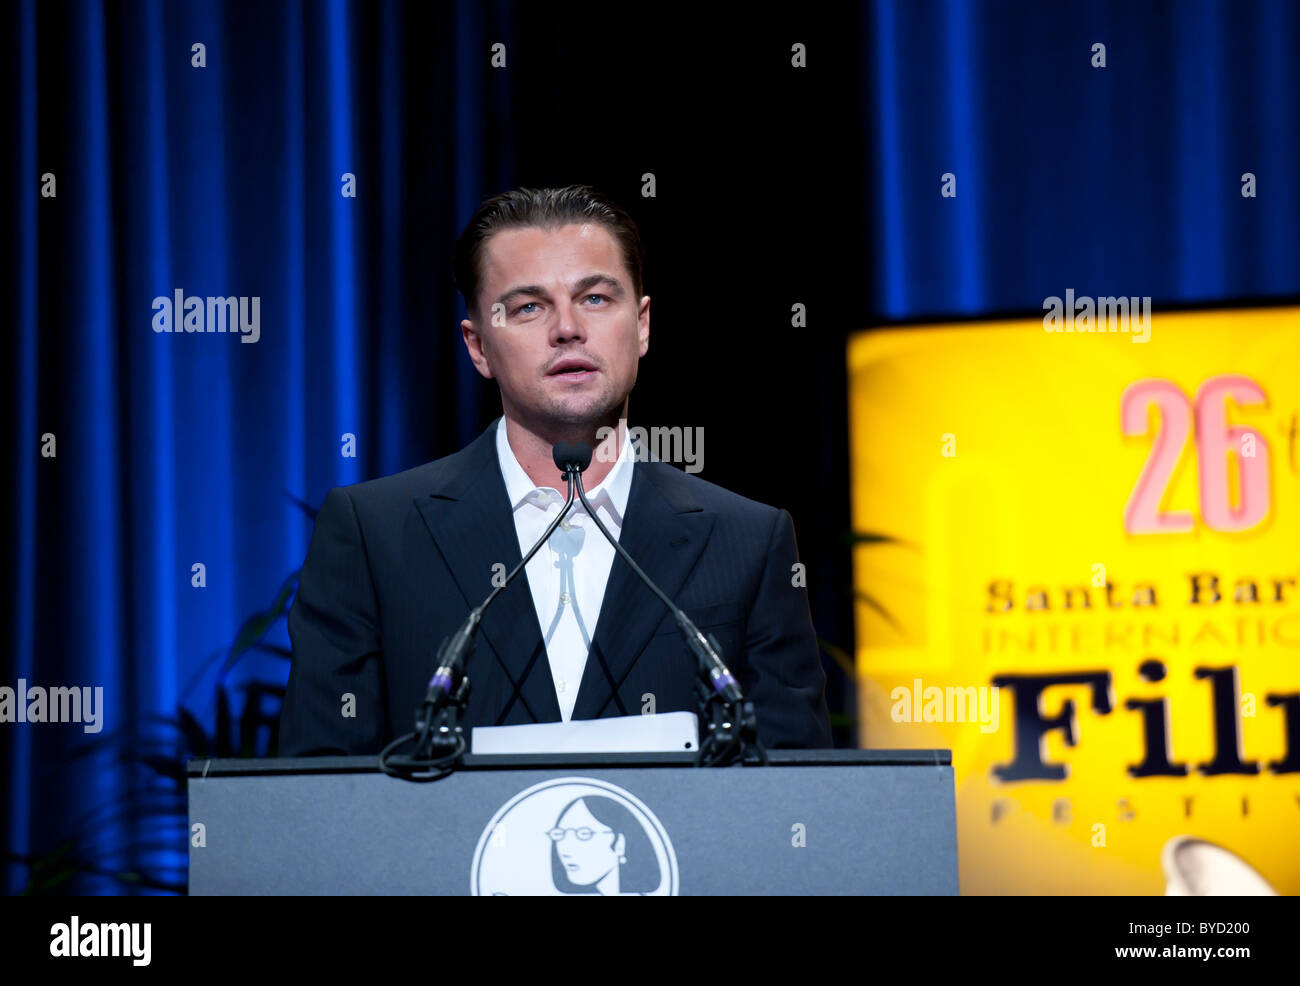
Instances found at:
x=588 y=282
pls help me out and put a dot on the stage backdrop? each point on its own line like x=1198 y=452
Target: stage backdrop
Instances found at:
x=1104 y=528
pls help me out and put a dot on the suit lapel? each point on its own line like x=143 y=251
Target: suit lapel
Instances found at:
x=665 y=531
x=469 y=516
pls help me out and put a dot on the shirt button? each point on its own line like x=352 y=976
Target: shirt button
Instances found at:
x=564 y=598
x=565 y=525
x=559 y=684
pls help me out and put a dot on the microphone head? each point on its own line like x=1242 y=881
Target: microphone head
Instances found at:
x=576 y=455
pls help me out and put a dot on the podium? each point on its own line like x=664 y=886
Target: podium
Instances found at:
x=813 y=822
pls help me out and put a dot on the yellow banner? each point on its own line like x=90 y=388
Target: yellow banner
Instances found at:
x=1091 y=592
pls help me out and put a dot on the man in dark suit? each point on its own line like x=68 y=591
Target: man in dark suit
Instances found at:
x=552 y=285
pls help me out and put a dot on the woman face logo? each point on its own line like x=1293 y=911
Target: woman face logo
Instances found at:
x=574 y=836
x=590 y=851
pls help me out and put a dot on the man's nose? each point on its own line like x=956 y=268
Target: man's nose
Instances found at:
x=569 y=325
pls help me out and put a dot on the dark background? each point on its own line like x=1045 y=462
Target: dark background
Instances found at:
x=775 y=185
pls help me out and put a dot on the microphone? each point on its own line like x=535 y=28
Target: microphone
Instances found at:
x=576 y=457
x=567 y=456
x=448 y=680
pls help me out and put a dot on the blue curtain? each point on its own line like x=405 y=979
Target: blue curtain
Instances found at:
x=1125 y=179
x=179 y=449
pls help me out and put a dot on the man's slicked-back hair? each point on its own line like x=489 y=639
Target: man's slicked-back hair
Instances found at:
x=547 y=208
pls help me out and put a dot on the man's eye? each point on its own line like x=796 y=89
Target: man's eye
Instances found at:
x=520 y=310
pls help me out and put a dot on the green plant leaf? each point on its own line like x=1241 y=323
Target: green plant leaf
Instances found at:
x=867 y=537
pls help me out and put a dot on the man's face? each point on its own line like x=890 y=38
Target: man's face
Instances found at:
x=559 y=328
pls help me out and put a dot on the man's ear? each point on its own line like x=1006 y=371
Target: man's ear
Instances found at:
x=643 y=325
x=620 y=845
x=474 y=345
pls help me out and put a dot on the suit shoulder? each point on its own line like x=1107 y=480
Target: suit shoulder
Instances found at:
x=710 y=496
x=430 y=477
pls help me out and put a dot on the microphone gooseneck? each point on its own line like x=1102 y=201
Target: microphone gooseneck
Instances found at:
x=438 y=741
x=733 y=722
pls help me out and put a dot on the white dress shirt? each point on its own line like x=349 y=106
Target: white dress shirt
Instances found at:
x=568 y=574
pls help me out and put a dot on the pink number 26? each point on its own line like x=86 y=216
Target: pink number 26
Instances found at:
x=1214 y=441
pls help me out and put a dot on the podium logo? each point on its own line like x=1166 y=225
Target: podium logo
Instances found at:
x=574 y=835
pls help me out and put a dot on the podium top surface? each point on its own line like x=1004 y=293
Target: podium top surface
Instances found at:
x=237 y=766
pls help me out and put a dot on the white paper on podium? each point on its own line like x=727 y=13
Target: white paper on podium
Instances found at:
x=668 y=732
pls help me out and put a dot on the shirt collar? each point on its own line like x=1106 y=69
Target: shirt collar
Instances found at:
x=613 y=491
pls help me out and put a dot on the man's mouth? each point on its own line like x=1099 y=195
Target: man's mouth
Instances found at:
x=572 y=368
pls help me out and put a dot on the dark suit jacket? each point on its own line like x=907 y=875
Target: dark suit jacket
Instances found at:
x=395 y=565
